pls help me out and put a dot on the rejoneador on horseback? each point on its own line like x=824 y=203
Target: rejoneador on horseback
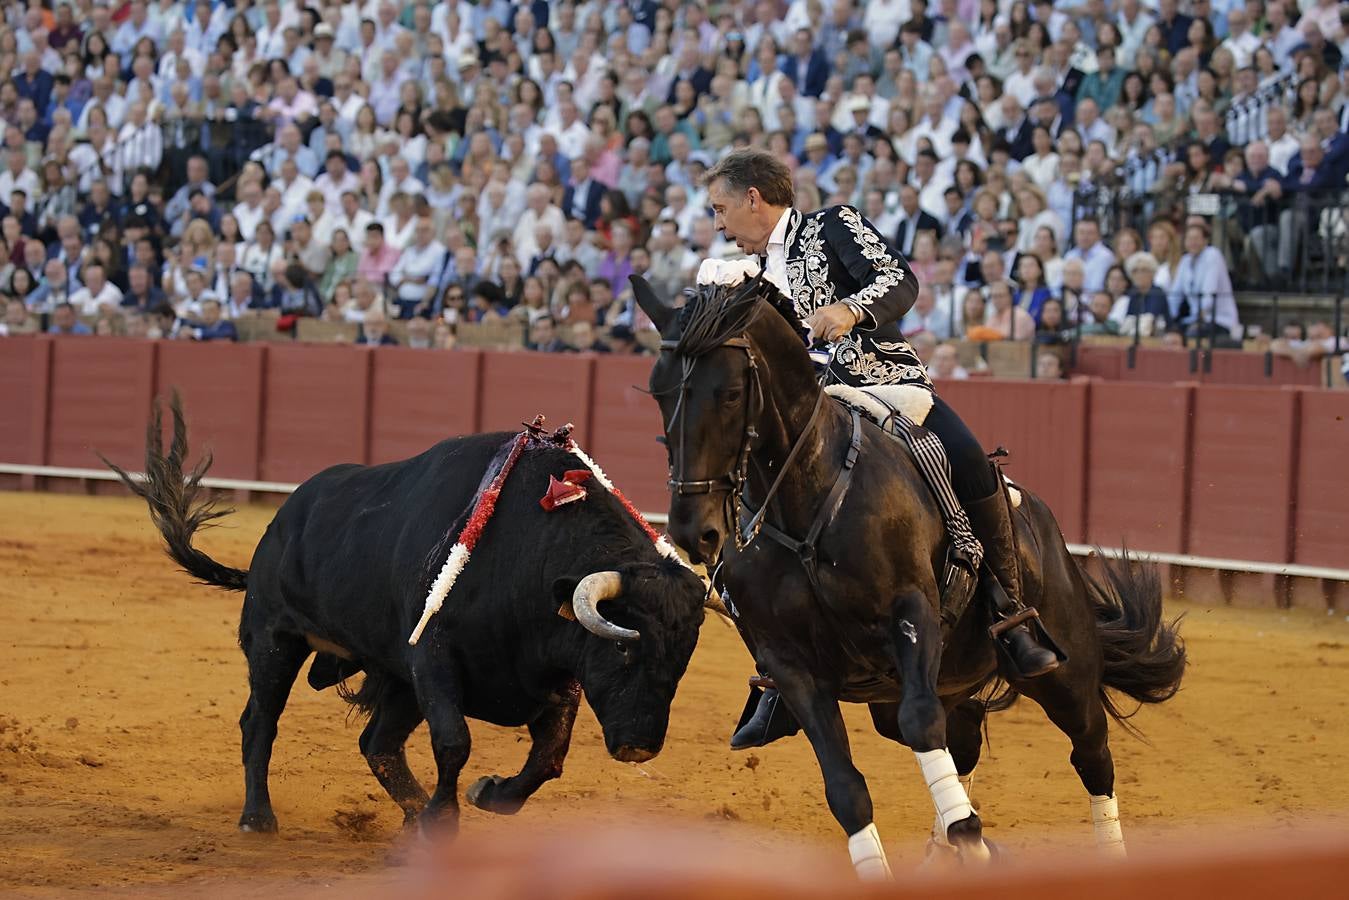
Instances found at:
x=850 y=289
x=847 y=550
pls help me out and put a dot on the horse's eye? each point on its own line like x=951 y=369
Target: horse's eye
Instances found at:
x=732 y=396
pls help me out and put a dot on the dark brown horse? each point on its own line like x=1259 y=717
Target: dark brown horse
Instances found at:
x=835 y=586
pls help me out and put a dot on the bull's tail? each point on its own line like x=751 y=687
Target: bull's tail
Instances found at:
x=177 y=506
x=1144 y=654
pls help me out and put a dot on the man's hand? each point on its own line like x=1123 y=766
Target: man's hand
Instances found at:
x=829 y=323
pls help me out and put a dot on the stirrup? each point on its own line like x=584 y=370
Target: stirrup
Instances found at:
x=1002 y=633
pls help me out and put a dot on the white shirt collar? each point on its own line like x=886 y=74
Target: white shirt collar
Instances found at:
x=779 y=233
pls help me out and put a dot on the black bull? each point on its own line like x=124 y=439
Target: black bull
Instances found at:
x=344 y=567
x=737 y=391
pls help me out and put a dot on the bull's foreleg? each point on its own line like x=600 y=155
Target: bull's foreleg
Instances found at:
x=382 y=744
x=922 y=722
x=440 y=696
x=844 y=787
x=551 y=732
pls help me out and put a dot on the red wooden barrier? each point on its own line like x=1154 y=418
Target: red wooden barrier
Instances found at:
x=1242 y=478
x=1159 y=364
x=1101 y=361
x=1138 y=440
x=1239 y=367
x=25 y=379
x=1043 y=426
x=1109 y=458
x=1321 y=517
x=100 y=391
x=625 y=425
x=221 y=386
x=419 y=398
x=518 y=386
x=316 y=406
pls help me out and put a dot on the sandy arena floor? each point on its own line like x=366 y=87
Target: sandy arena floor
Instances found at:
x=122 y=687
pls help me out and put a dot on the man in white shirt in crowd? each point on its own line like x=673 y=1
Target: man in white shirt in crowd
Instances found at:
x=140 y=141
x=539 y=211
x=400 y=180
x=249 y=211
x=336 y=179
x=415 y=273
x=97 y=291
x=107 y=99
x=1282 y=145
x=17 y=176
x=1201 y=296
x=1096 y=256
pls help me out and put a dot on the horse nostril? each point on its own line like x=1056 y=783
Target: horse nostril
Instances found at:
x=710 y=538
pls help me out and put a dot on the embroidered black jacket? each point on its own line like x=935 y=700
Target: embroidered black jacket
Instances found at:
x=835 y=255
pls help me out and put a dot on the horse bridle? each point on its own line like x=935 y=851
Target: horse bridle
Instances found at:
x=734 y=481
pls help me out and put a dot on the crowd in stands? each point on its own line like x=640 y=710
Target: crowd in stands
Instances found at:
x=172 y=168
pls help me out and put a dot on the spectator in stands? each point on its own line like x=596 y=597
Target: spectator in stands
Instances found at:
x=1052 y=327
x=414 y=274
x=926 y=316
x=292 y=292
x=97 y=292
x=65 y=321
x=55 y=288
x=1201 y=297
x=1009 y=321
x=945 y=364
x=1032 y=290
x=585 y=340
x=1095 y=256
x=210 y=326
x=1145 y=309
x=1099 y=321
x=375 y=329
x=1048 y=365
x=17 y=320
x=341 y=266
x=419 y=333
x=543 y=336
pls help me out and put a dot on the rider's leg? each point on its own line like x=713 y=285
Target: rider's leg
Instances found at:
x=979 y=489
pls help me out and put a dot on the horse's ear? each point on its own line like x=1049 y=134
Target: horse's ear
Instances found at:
x=660 y=312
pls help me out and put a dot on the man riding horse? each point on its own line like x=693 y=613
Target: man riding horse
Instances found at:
x=850 y=289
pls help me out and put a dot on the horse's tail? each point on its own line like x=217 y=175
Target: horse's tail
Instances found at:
x=175 y=505
x=1144 y=655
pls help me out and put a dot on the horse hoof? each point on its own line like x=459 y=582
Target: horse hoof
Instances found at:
x=939 y=857
x=257 y=824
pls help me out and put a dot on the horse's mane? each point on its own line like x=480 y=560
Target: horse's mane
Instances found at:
x=714 y=313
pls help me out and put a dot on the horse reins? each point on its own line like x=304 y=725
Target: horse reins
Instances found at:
x=735 y=481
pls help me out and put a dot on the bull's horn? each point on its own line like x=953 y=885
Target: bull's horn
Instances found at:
x=590 y=591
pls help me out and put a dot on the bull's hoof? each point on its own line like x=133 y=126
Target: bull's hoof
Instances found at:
x=483 y=794
x=257 y=823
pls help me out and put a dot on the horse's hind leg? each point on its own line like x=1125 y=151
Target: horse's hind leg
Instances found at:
x=395 y=716
x=274 y=659
x=923 y=723
x=1078 y=712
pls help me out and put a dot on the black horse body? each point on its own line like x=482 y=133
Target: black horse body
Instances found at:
x=867 y=629
x=344 y=569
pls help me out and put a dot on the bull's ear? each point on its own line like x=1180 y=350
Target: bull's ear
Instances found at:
x=660 y=312
x=563 y=590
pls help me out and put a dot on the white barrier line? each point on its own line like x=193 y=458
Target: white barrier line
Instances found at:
x=1178 y=559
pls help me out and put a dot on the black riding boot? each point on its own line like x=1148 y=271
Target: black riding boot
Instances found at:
x=991 y=520
x=765 y=718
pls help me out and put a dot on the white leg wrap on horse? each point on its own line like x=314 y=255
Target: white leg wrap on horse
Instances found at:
x=1105 y=822
x=938 y=832
x=868 y=857
x=948 y=794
